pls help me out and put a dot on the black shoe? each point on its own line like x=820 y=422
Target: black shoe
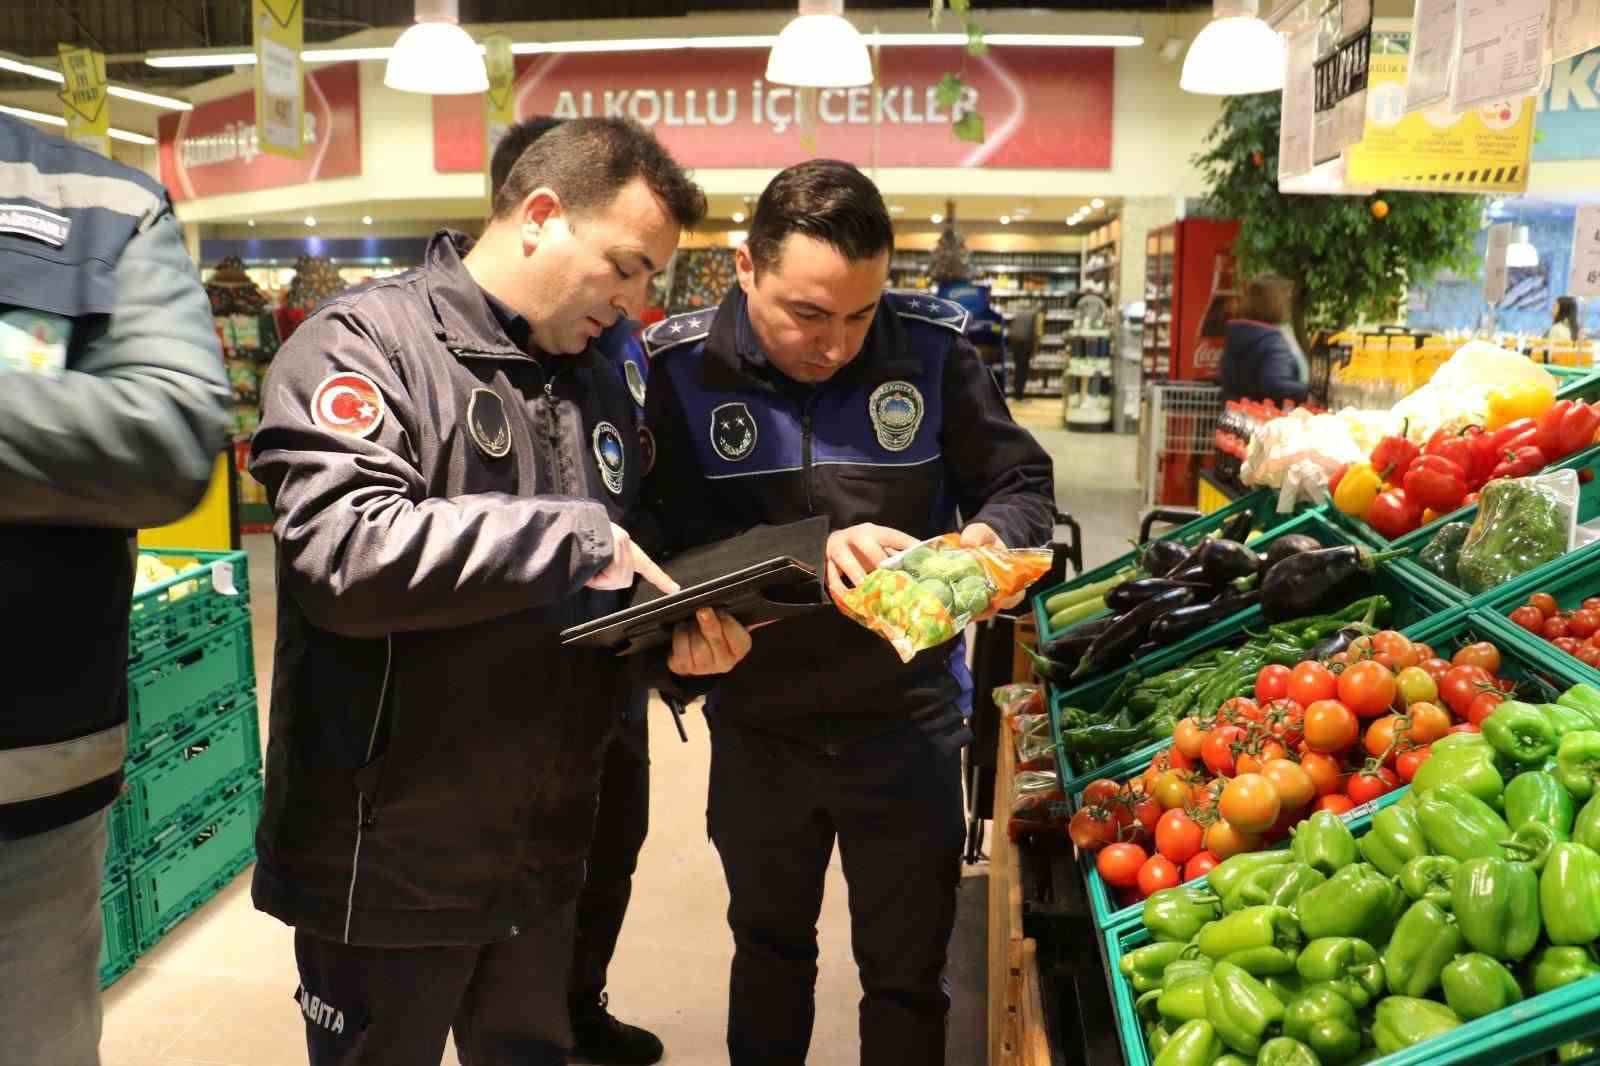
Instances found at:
x=601 y=1040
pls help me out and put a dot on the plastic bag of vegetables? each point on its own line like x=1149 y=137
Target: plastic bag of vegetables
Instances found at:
x=1522 y=523
x=926 y=595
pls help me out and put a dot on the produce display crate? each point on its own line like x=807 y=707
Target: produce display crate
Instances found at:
x=118 y=945
x=1570 y=586
x=188 y=606
x=1575 y=382
x=190 y=870
x=187 y=687
x=185 y=779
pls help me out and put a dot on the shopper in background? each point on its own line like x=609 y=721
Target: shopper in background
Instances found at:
x=622 y=819
x=1022 y=337
x=1260 y=360
x=1564 y=326
x=112 y=412
x=445 y=457
x=811 y=391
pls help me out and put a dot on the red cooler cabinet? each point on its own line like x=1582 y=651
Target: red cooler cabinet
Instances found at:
x=1189 y=289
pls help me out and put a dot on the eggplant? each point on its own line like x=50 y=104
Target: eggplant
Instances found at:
x=1127 y=596
x=1183 y=621
x=1287 y=545
x=1239 y=526
x=1068 y=647
x=1149 y=647
x=1053 y=672
x=1116 y=644
x=1160 y=558
x=1337 y=643
x=1226 y=560
x=1301 y=584
x=1189 y=574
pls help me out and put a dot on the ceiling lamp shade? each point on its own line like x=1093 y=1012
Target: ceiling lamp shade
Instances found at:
x=820 y=49
x=1522 y=253
x=436 y=56
x=1236 y=53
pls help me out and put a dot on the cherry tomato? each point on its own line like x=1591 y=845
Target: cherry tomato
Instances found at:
x=1272 y=683
x=1187 y=736
x=1555 y=628
x=1482 y=654
x=1239 y=710
x=1570 y=645
x=1367 y=785
x=1406 y=766
x=1397 y=647
x=1330 y=726
x=1483 y=707
x=1416 y=685
x=1225 y=840
x=1158 y=872
x=1324 y=771
x=1545 y=602
x=1099 y=790
x=1092 y=828
x=1335 y=803
x=1291 y=782
x=1461 y=686
x=1147 y=811
x=1179 y=837
x=1203 y=863
x=1368 y=689
x=1173 y=789
x=1286 y=719
x=1217 y=751
x=1583 y=624
x=1381 y=736
x=1119 y=864
x=1589 y=655
x=1529 y=618
x=1429 y=722
x=1435 y=668
x=1310 y=682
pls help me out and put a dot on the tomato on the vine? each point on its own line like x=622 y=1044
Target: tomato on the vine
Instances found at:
x=1178 y=836
x=1555 y=628
x=1327 y=776
x=1174 y=789
x=1099 y=790
x=1217 y=751
x=1482 y=654
x=1187 y=736
x=1335 y=803
x=1119 y=864
x=1177 y=760
x=1286 y=719
x=1381 y=734
x=1272 y=683
x=1251 y=803
x=1529 y=618
x=1225 y=840
x=1483 y=706
x=1583 y=624
x=1570 y=645
x=1310 y=682
x=1461 y=686
x=1147 y=812
x=1409 y=762
x=1436 y=669
x=1545 y=603
x=1367 y=785
x=1158 y=872
x=1291 y=781
x=1367 y=688
x=1239 y=710
x=1396 y=648
x=1330 y=726
x=1092 y=828
x=1203 y=863
x=1429 y=722
x=1416 y=685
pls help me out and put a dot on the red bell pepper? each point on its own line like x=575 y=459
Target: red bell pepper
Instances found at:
x=1549 y=435
x=1338 y=476
x=1519 y=434
x=1578 y=427
x=1395 y=454
x=1520 y=462
x=1483 y=459
x=1437 y=483
x=1456 y=447
x=1394 y=514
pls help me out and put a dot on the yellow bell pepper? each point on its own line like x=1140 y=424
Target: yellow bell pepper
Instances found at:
x=1518 y=401
x=1357 y=490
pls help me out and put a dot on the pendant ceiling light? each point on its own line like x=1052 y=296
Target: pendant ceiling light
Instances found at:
x=1236 y=53
x=820 y=49
x=436 y=56
x=1522 y=253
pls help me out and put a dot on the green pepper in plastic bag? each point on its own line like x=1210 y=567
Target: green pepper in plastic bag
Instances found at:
x=1442 y=554
x=1522 y=523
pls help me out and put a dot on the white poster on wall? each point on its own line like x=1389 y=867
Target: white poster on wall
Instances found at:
x=1584 y=279
x=1494 y=262
x=1295 y=150
x=1574 y=27
x=1499 y=51
x=1433 y=46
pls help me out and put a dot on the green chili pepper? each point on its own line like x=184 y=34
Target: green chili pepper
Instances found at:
x=1425 y=939
x=1356 y=901
x=1258 y=940
x=1475 y=985
x=1569 y=895
x=1578 y=763
x=1286 y=1051
x=1241 y=1008
x=1429 y=877
x=1469 y=765
x=1323 y=842
x=1459 y=824
x=1143 y=967
x=1178 y=913
x=1496 y=904
x=1536 y=796
x=1553 y=967
x=1347 y=964
x=1586 y=829
x=1226 y=874
x=1275 y=885
x=1393 y=839
x=1403 y=1021
x=1184 y=1001
x=1192 y=1044
x=1324 y=1021
x=1520 y=732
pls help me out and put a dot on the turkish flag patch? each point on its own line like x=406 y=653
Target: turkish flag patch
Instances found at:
x=347 y=403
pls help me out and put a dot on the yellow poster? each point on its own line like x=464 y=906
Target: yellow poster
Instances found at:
x=280 y=89
x=1482 y=150
x=500 y=102
x=83 y=98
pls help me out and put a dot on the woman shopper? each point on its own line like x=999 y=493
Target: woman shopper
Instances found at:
x=1260 y=359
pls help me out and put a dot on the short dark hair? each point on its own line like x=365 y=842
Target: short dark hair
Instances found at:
x=826 y=200
x=1268 y=298
x=512 y=145
x=587 y=161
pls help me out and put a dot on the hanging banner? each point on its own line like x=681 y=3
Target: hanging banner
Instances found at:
x=83 y=98
x=1494 y=262
x=1484 y=150
x=1295 y=125
x=1344 y=46
x=1499 y=51
x=280 y=96
x=1574 y=27
x=1433 y=46
x=500 y=102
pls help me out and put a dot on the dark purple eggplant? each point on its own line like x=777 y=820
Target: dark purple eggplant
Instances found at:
x=1337 y=643
x=1189 y=573
x=1226 y=560
x=1301 y=584
x=1160 y=558
x=1069 y=647
x=1287 y=545
x=1114 y=646
x=1184 y=621
x=1131 y=594
x=1149 y=647
x=1239 y=526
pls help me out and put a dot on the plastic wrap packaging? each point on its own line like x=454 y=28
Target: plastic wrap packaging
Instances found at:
x=1018 y=699
x=1522 y=523
x=926 y=595
x=1036 y=748
x=1038 y=805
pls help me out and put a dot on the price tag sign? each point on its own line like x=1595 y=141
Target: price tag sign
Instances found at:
x=1585 y=279
x=222 y=579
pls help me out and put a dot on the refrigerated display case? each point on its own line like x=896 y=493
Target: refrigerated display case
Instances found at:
x=1187 y=264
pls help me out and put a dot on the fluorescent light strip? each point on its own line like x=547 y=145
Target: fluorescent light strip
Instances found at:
x=201 y=59
x=57 y=120
x=16 y=66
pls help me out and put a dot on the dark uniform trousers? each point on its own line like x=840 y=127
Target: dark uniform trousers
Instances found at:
x=776 y=805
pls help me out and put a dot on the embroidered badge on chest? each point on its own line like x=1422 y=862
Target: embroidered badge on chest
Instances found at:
x=733 y=431
x=608 y=452
x=347 y=403
x=895 y=408
x=486 y=421
x=630 y=371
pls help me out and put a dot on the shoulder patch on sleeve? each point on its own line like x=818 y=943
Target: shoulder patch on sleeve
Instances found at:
x=679 y=329
x=930 y=309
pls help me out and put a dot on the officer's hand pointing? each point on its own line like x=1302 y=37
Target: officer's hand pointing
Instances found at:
x=713 y=643
x=627 y=561
x=855 y=552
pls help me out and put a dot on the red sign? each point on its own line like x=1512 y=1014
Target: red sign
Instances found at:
x=1041 y=107
x=213 y=150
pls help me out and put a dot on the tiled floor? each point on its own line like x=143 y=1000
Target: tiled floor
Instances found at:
x=217 y=989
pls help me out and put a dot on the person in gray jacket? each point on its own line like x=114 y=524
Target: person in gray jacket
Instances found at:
x=112 y=413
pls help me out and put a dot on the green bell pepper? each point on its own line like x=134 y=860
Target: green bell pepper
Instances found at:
x=1286 y=1051
x=1241 y=1008
x=1430 y=878
x=1554 y=967
x=1230 y=1059
x=1393 y=839
x=1143 y=967
x=1585 y=699
x=1469 y=766
x=1536 y=796
x=1403 y=1021
x=1578 y=763
x=1325 y=1022
x=1426 y=939
x=1496 y=904
x=1566 y=719
x=1569 y=895
x=1347 y=964
x=1227 y=873
x=1586 y=829
x=1286 y=986
x=1323 y=842
x=1533 y=844
x=1183 y=1001
x=1192 y=1044
x=1157 y=1037
x=1475 y=985
x=1190 y=964
x=1259 y=940
x=1277 y=886
x=1520 y=732
x=1459 y=824
x=1356 y=901
x=1178 y=913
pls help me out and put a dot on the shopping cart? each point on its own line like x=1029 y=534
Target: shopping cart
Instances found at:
x=1176 y=439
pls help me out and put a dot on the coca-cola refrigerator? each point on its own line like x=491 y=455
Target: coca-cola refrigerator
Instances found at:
x=1190 y=288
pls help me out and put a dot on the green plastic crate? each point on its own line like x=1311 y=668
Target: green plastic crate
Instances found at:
x=1575 y=382
x=188 y=606
x=1570 y=587
x=183 y=780
x=190 y=685
x=190 y=870
x=118 y=946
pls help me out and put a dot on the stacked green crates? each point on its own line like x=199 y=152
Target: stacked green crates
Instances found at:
x=185 y=823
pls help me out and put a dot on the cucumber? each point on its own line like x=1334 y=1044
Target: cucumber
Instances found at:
x=1080 y=612
x=1085 y=593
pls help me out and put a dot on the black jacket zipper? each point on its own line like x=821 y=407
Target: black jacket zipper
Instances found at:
x=805 y=452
